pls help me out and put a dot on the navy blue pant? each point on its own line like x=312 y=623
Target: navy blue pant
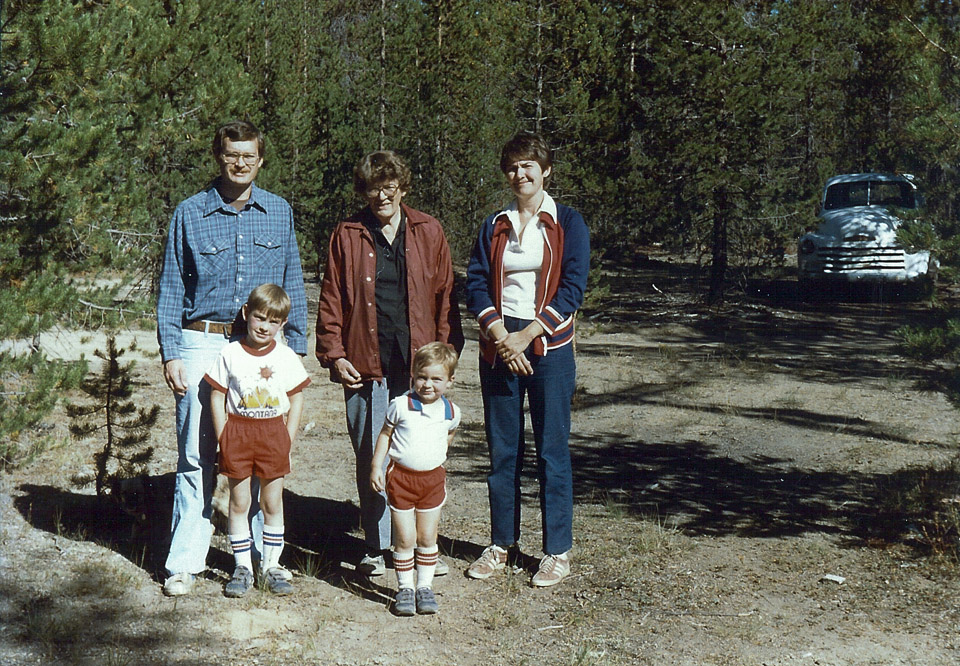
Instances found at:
x=549 y=391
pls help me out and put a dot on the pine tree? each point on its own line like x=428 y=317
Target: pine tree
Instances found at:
x=113 y=414
x=310 y=138
x=108 y=109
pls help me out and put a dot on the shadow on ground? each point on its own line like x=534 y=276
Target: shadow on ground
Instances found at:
x=318 y=541
x=847 y=333
x=51 y=627
x=704 y=492
x=708 y=494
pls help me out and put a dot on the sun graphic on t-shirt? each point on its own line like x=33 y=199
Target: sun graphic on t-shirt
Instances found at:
x=266 y=372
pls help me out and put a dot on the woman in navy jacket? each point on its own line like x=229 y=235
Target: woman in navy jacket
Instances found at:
x=525 y=281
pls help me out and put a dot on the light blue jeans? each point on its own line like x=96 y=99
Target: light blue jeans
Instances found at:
x=191 y=528
x=366 y=408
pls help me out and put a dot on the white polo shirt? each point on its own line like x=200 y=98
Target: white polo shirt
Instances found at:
x=420 y=431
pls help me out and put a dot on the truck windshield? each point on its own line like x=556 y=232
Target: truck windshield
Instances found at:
x=870 y=192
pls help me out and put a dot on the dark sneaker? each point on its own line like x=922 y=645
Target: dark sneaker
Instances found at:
x=405 y=603
x=426 y=601
x=372 y=565
x=277 y=583
x=240 y=583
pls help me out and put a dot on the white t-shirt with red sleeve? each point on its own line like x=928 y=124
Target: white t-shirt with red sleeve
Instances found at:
x=258 y=382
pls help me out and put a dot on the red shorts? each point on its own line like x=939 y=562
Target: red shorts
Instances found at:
x=409 y=489
x=251 y=447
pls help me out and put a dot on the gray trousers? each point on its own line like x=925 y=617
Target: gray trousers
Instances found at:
x=366 y=408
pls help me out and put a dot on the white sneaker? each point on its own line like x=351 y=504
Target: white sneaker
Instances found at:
x=372 y=565
x=491 y=560
x=179 y=584
x=553 y=569
x=281 y=570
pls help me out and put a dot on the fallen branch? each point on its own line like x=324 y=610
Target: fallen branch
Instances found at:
x=94 y=306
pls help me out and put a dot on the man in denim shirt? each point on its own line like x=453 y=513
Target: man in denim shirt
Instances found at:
x=223 y=242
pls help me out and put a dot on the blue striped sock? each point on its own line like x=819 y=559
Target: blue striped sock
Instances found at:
x=272 y=546
x=242 y=546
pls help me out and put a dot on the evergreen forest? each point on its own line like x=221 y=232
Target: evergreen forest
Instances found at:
x=705 y=127
x=672 y=122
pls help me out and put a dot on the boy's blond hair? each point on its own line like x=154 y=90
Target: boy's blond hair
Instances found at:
x=436 y=352
x=270 y=299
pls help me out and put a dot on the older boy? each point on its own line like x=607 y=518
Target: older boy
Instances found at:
x=254 y=383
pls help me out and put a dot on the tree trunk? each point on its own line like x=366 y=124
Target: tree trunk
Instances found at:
x=718 y=265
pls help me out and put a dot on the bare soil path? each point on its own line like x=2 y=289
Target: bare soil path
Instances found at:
x=732 y=469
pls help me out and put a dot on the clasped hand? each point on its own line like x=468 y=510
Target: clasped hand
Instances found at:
x=510 y=348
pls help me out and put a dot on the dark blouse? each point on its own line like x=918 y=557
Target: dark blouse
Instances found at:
x=393 y=329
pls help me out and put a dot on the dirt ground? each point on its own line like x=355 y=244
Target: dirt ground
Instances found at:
x=730 y=466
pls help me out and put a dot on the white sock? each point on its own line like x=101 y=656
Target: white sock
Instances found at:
x=272 y=546
x=403 y=565
x=426 y=565
x=242 y=545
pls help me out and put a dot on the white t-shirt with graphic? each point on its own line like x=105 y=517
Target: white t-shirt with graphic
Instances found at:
x=258 y=383
x=420 y=431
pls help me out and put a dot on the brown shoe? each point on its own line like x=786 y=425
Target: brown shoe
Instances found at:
x=491 y=560
x=553 y=569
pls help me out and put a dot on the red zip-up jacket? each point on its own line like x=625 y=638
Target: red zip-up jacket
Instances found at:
x=347 y=313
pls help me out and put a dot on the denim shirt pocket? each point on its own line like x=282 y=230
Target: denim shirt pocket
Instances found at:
x=268 y=252
x=214 y=256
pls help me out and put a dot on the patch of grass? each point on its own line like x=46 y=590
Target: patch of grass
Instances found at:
x=615 y=509
x=103 y=580
x=588 y=654
x=42 y=624
x=118 y=656
x=507 y=613
x=77 y=534
x=920 y=507
x=36 y=445
x=791 y=402
x=667 y=353
x=656 y=533
x=309 y=564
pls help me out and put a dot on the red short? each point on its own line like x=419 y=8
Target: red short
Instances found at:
x=409 y=489
x=251 y=447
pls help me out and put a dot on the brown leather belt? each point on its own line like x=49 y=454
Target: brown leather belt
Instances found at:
x=216 y=327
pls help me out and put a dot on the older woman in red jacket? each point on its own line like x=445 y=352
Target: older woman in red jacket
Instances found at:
x=387 y=291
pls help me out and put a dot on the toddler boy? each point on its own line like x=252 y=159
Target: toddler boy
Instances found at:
x=418 y=427
x=255 y=382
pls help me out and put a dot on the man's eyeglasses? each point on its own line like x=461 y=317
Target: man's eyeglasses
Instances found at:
x=389 y=191
x=233 y=158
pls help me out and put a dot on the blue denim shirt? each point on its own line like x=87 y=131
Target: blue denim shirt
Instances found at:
x=216 y=256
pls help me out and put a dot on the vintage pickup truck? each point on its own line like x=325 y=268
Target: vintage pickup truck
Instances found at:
x=856 y=240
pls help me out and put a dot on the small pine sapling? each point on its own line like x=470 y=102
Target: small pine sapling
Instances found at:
x=113 y=413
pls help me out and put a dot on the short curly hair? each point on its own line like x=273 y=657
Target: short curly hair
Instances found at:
x=526 y=146
x=436 y=352
x=378 y=167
